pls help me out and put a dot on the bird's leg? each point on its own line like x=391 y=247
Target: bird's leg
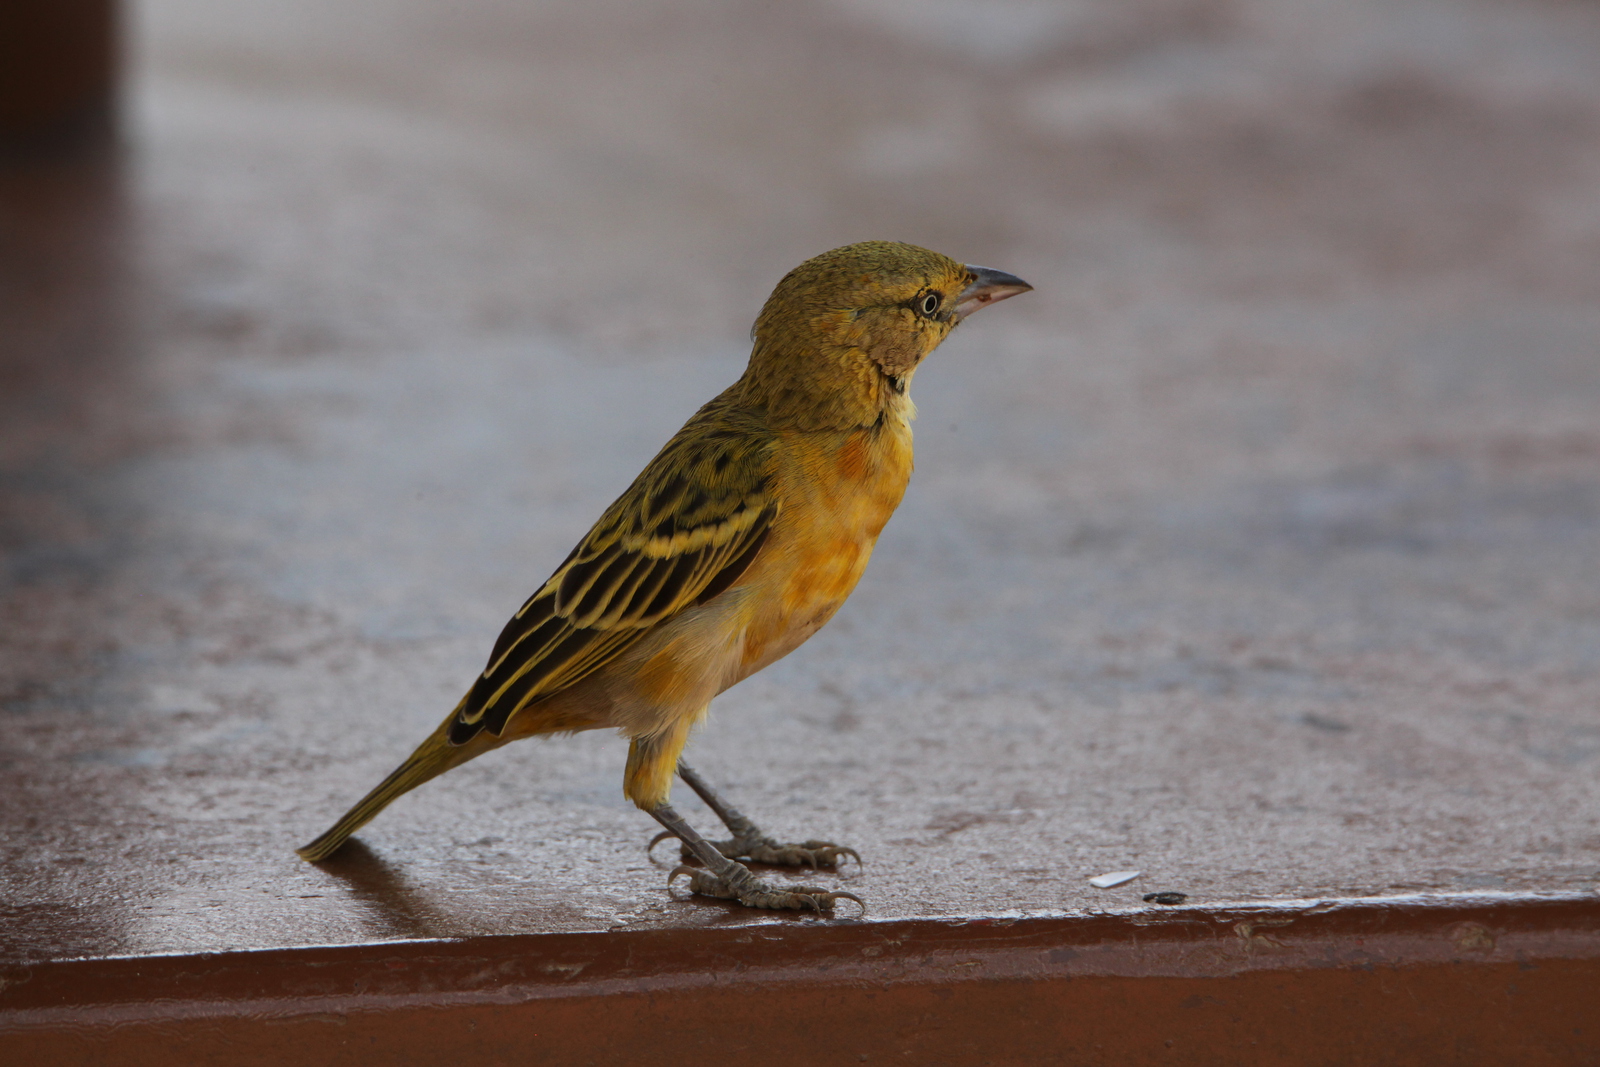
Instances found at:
x=748 y=842
x=722 y=877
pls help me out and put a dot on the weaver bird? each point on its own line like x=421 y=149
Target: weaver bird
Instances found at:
x=738 y=541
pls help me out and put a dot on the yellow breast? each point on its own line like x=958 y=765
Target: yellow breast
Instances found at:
x=837 y=492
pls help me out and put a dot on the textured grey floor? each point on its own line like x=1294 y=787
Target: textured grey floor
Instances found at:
x=1256 y=550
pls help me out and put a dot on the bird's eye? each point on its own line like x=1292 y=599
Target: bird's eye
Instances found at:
x=930 y=303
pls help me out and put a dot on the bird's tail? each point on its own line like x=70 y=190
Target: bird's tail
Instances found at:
x=432 y=758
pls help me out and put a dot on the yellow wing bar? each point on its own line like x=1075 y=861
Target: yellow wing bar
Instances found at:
x=686 y=530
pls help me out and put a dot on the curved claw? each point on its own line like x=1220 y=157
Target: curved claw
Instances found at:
x=662 y=836
x=851 y=897
x=830 y=854
x=682 y=869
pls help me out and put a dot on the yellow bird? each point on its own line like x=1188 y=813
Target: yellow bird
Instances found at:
x=738 y=541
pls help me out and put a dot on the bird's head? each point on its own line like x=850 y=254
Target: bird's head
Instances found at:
x=842 y=334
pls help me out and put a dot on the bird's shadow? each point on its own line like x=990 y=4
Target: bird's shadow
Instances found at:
x=391 y=907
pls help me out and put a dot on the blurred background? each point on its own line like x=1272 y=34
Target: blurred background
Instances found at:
x=1255 y=549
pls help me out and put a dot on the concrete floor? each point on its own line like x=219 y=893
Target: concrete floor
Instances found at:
x=1255 y=550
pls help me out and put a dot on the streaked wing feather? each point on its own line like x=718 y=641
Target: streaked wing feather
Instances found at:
x=683 y=533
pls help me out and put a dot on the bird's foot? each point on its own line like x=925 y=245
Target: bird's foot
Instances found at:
x=757 y=847
x=737 y=883
x=749 y=843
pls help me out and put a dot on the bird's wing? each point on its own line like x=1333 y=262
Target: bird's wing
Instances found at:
x=684 y=532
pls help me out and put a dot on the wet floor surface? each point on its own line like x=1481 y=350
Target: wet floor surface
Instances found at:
x=1254 y=550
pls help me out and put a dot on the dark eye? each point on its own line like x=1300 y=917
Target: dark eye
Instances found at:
x=930 y=303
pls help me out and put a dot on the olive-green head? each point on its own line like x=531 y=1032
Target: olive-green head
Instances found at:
x=846 y=330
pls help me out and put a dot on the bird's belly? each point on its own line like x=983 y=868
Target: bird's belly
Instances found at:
x=818 y=589
x=820 y=553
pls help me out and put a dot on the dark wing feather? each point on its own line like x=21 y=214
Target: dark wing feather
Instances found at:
x=683 y=533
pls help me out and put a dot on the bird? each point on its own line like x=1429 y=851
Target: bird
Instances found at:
x=737 y=542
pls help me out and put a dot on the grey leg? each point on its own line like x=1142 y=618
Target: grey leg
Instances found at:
x=749 y=842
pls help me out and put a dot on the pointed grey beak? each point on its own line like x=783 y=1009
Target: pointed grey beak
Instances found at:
x=989 y=286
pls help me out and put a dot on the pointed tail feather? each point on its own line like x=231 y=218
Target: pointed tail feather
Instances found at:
x=432 y=758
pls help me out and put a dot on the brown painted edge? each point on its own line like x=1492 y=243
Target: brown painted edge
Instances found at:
x=1184 y=942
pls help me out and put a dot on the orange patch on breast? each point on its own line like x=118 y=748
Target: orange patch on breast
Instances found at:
x=851 y=462
x=844 y=490
x=828 y=571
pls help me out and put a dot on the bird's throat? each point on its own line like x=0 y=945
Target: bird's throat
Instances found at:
x=836 y=388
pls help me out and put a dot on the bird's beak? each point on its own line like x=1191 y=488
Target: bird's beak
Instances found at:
x=989 y=286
